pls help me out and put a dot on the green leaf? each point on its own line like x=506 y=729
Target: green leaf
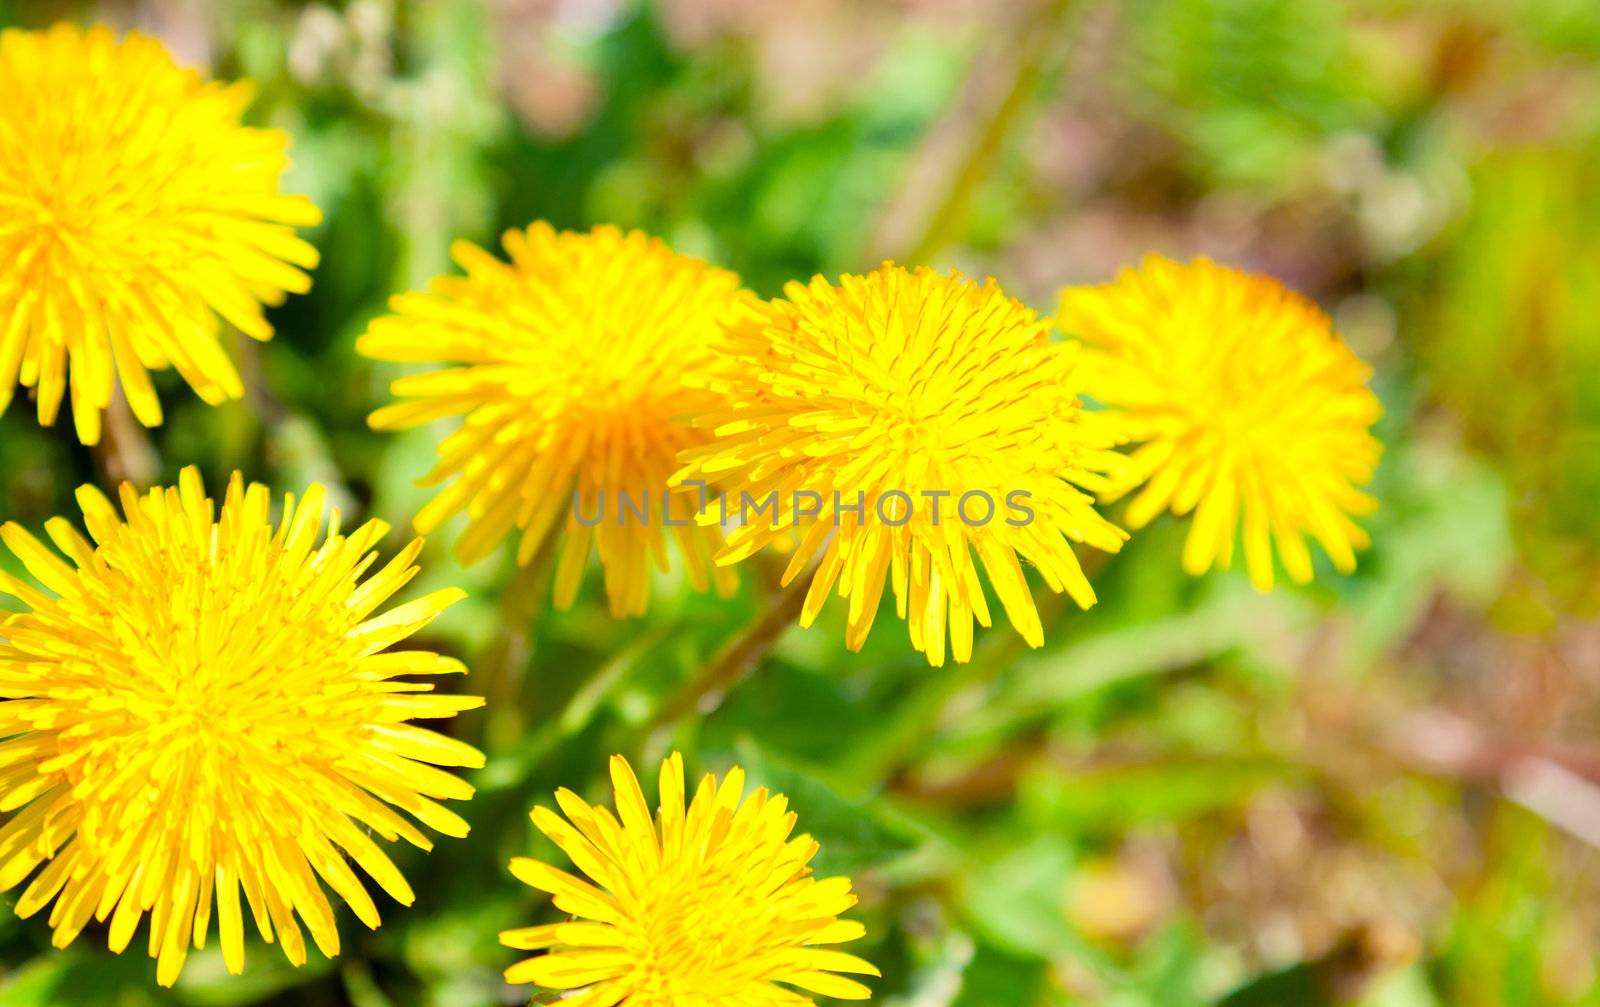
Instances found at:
x=996 y=979
x=855 y=835
x=1017 y=901
x=1297 y=985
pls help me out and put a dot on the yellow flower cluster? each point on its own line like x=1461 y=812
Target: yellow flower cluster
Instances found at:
x=910 y=431
x=198 y=702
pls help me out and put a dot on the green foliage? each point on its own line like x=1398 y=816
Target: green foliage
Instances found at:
x=1513 y=343
x=1254 y=85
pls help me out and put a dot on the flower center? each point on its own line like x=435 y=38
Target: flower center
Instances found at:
x=698 y=935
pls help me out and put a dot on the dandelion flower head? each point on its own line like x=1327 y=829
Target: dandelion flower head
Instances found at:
x=135 y=212
x=710 y=903
x=914 y=427
x=196 y=706
x=1247 y=408
x=571 y=365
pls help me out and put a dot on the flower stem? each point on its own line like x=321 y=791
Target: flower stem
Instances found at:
x=502 y=664
x=1035 y=37
x=737 y=658
x=124 y=453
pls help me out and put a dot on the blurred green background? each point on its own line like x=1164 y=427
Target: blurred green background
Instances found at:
x=1381 y=790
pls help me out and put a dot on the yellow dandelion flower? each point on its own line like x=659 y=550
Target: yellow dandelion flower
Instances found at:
x=134 y=210
x=195 y=706
x=906 y=421
x=710 y=905
x=1246 y=405
x=570 y=367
